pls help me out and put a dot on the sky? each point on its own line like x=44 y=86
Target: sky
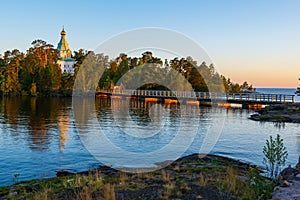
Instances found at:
x=255 y=41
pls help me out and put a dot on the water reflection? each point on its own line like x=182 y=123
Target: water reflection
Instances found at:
x=10 y=109
x=38 y=136
x=279 y=125
x=131 y=129
x=63 y=126
x=38 y=118
x=144 y=113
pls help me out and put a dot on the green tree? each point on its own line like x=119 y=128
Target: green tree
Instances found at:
x=9 y=69
x=87 y=78
x=105 y=81
x=67 y=82
x=275 y=155
x=39 y=67
x=121 y=70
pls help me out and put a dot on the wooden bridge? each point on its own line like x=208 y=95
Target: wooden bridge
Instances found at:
x=245 y=99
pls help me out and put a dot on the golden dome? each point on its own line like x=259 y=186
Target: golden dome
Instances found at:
x=63 y=32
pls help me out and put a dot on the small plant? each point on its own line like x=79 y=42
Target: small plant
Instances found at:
x=109 y=192
x=232 y=181
x=176 y=168
x=261 y=187
x=45 y=194
x=83 y=187
x=16 y=178
x=143 y=175
x=203 y=180
x=171 y=191
x=275 y=155
x=165 y=176
x=123 y=178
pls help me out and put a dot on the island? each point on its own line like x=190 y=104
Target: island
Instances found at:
x=278 y=113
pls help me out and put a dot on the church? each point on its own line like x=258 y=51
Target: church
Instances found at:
x=66 y=62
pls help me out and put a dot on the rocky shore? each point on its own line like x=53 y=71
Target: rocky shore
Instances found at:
x=190 y=177
x=278 y=113
x=289 y=184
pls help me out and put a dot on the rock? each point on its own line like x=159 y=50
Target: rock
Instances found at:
x=298 y=164
x=276 y=198
x=244 y=178
x=288 y=173
x=64 y=173
x=14 y=193
x=289 y=184
x=285 y=183
x=288 y=193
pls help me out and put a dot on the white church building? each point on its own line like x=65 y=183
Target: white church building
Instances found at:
x=66 y=62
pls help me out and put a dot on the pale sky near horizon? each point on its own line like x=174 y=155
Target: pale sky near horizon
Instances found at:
x=256 y=41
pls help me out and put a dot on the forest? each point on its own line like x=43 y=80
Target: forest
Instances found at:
x=37 y=73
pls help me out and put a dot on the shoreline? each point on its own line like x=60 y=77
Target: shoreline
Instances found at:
x=278 y=113
x=186 y=178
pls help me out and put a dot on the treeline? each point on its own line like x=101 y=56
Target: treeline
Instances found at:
x=36 y=72
x=153 y=70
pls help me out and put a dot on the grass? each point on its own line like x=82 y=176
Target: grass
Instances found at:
x=109 y=192
x=222 y=179
x=165 y=176
x=202 y=180
x=146 y=176
x=231 y=185
x=171 y=191
x=45 y=194
x=77 y=187
x=177 y=168
x=123 y=178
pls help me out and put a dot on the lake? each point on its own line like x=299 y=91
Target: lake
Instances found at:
x=40 y=136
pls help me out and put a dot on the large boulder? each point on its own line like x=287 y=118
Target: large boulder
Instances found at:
x=288 y=173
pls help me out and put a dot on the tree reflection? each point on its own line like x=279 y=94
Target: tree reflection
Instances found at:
x=279 y=125
x=39 y=118
x=10 y=109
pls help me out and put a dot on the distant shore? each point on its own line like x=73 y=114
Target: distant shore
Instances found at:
x=278 y=113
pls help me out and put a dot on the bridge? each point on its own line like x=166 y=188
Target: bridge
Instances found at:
x=245 y=99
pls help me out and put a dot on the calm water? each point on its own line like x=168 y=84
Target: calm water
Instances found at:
x=39 y=136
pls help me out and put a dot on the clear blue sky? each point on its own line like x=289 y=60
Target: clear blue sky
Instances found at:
x=257 y=41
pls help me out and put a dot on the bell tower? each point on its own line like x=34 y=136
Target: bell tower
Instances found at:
x=65 y=61
x=63 y=46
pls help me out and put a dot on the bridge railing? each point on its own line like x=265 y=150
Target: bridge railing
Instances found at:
x=165 y=94
x=238 y=97
x=260 y=97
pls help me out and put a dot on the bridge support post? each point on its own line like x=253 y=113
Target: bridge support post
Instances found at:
x=245 y=106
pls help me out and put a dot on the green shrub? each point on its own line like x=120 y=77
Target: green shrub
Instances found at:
x=275 y=155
